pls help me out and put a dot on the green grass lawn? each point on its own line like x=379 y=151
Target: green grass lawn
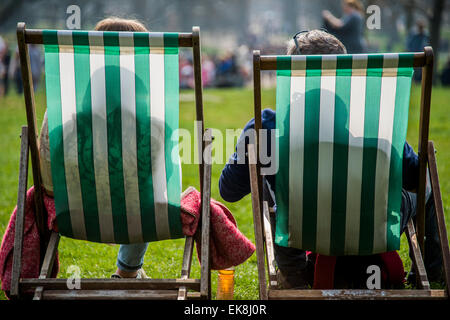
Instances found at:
x=223 y=109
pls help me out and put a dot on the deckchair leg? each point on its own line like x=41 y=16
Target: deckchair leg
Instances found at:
x=48 y=264
x=259 y=241
x=20 y=214
x=186 y=268
x=270 y=253
x=440 y=217
x=422 y=279
x=205 y=286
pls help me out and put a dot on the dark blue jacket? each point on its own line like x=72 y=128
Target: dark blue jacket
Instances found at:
x=234 y=182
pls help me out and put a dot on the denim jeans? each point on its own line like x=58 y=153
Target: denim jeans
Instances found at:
x=131 y=256
x=292 y=258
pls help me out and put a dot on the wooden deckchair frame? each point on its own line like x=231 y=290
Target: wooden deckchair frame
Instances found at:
x=263 y=233
x=47 y=288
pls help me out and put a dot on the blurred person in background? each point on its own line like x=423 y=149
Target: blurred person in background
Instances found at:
x=5 y=58
x=36 y=65
x=3 y=69
x=445 y=75
x=227 y=72
x=15 y=73
x=186 y=72
x=208 y=71
x=416 y=41
x=348 y=29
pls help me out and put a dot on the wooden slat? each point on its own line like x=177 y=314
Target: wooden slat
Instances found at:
x=112 y=284
x=49 y=261
x=20 y=214
x=186 y=266
x=424 y=125
x=205 y=287
x=257 y=223
x=114 y=295
x=270 y=253
x=258 y=120
x=50 y=255
x=269 y=62
x=198 y=87
x=28 y=93
x=440 y=217
x=35 y=36
x=421 y=273
x=357 y=294
x=110 y=294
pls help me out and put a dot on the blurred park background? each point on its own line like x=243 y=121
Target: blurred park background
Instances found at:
x=230 y=31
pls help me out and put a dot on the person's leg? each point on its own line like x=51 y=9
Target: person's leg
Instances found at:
x=130 y=259
x=291 y=262
x=433 y=255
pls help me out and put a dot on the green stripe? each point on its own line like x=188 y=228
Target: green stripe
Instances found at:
x=402 y=97
x=311 y=150
x=50 y=40
x=143 y=137
x=114 y=127
x=340 y=155
x=171 y=99
x=84 y=135
x=282 y=146
x=371 y=121
x=53 y=87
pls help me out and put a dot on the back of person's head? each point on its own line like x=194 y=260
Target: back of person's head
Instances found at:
x=354 y=4
x=315 y=42
x=420 y=24
x=120 y=24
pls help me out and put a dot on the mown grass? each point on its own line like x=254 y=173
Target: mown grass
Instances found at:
x=223 y=109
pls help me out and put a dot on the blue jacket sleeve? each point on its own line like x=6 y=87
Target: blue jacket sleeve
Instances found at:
x=234 y=182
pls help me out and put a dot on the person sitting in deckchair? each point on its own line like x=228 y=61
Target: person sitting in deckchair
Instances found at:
x=292 y=263
x=131 y=256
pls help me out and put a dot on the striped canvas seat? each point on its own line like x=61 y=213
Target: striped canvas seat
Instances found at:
x=113 y=112
x=342 y=122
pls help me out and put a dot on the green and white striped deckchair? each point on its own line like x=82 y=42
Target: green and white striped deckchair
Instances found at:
x=341 y=123
x=113 y=109
x=113 y=118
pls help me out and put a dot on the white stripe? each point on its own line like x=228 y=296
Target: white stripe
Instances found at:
x=296 y=155
x=129 y=146
x=156 y=39
x=100 y=140
x=355 y=156
x=325 y=161
x=385 y=129
x=65 y=38
x=157 y=115
x=69 y=124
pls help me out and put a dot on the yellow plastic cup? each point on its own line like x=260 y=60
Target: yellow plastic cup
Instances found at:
x=225 y=284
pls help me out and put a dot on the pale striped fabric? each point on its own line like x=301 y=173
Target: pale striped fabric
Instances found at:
x=113 y=108
x=342 y=122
